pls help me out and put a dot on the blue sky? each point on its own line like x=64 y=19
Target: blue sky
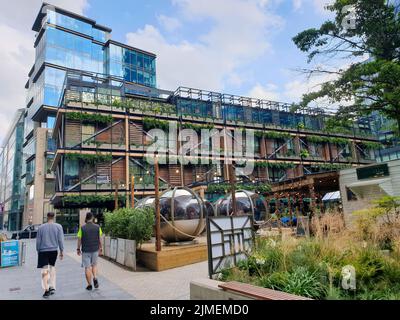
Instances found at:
x=242 y=47
x=263 y=28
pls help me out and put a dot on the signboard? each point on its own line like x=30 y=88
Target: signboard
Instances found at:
x=229 y=241
x=303 y=226
x=9 y=251
x=380 y=170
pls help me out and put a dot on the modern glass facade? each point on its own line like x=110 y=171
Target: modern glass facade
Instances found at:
x=131 y=65
x=66 y=41
x=11 y=188
x=69 y=42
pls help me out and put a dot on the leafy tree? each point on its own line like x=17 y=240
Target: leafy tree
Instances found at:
x=366 y=85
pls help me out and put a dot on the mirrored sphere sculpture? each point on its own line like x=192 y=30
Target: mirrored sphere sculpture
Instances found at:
x=183 y=214
x=247 y=203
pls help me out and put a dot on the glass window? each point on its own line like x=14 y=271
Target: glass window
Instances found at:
x=140 y=77
x=71 y=173
x=127 y=74
x=99 y=35
x=140 y=62
x=134 y=76
x=132 y=58
x=115 y=53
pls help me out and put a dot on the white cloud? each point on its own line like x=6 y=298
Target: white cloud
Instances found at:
x=169 y=23
x=318 y=5
x=238 y=35
x=267 y=92
x=17 y=52
x=297 y=4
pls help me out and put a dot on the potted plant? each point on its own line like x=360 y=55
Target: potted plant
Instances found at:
x=128 y=227
x=304 y=153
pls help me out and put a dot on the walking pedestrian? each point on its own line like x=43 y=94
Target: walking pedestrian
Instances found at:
x=89 y=246
x=50 y=238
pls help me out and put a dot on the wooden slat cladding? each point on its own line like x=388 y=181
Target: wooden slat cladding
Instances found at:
x=174 y=175
x=164 y=173
x=188 y=175
x=136 y=133
x=114 y=135
x=263 y=148
x=118 y=171
x=104 y=169
x=269 y=146
x=72 y=133
x=290 y=173
x=261 y=173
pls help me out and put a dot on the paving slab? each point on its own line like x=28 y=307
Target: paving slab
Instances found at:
x=116 y=283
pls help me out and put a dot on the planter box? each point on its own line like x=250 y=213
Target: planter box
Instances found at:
x=102 y=240
x=113 y=248
x=107 y=246
x=130 y=254
x=120 y=251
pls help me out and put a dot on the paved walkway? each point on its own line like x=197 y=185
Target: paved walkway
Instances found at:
x=116 y=283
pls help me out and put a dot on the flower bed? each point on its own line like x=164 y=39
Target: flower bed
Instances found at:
x=314 y=267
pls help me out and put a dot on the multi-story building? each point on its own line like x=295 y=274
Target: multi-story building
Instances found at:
x=92 y=102
x=64 y=41
x=11 y=187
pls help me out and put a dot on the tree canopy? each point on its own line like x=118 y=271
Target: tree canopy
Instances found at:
x=366 y=34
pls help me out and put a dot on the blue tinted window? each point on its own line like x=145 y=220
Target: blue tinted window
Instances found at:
x=134 y=76
x=50 y=122
x=133 y=58
x=140 y=60
x=69 y=23
x=116 y=69
x=99 y=35
x=115 y=53
x=140 y=76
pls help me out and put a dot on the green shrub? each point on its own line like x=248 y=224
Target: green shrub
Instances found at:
x=275 y=281
x=304 y=283
x=132 y=224
x=140 y=225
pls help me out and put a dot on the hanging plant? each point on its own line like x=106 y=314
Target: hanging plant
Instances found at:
x=84 y=201
x=331 y=166
x=89 y=117
x=197 y=127
x=89 y=158
x=304 y=153
x=272 y=134
x=371 y=145
x=222 y=188
x=153 y=123
x=324 y=139
x=277 y=165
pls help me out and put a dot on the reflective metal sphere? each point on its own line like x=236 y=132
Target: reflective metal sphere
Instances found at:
x=183 y=214
x=247 y=203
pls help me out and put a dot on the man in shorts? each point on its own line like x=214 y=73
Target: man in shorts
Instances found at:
x=50 y=238
x=89 y=246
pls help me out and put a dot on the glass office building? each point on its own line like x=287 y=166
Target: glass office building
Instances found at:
x=66 y=41
x=11 y=186
x=80 y=70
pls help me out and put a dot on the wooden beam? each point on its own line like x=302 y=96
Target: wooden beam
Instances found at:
x=157 y=205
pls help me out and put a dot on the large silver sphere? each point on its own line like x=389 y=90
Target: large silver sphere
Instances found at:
x=183 y=214
x=247 y=203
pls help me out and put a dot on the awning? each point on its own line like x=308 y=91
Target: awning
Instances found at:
x=330 y=196
x=368 y=183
